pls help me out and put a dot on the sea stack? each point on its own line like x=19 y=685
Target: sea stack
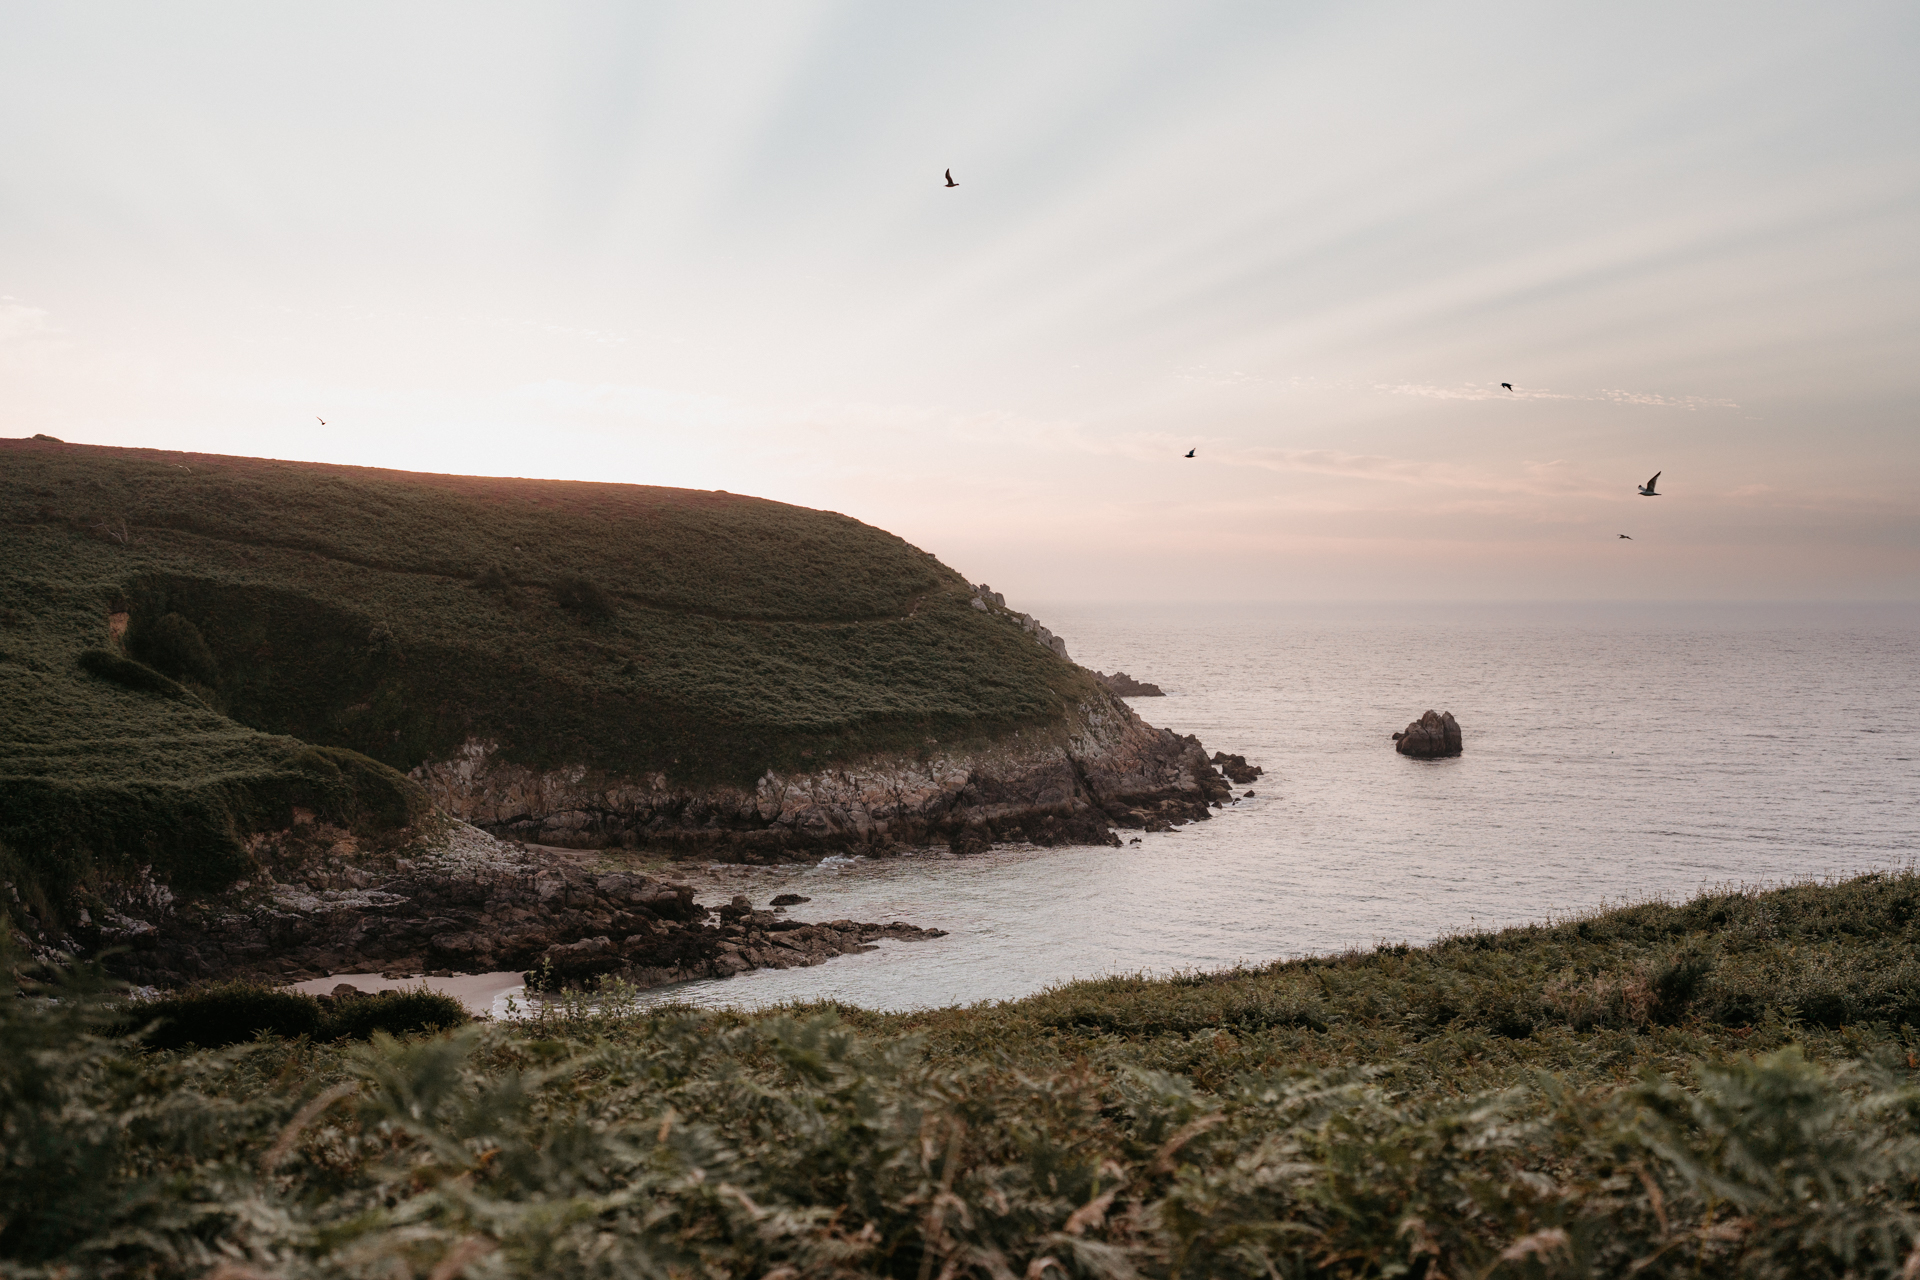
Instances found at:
x=1125 y=686
x=1433 y=735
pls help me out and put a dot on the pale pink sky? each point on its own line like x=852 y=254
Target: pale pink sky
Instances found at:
x=707 y=245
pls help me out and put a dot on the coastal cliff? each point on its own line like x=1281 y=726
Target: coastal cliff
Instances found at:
x=205 y=658
x=1103 y=767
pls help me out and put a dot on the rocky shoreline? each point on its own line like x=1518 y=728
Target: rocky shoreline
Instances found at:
x=461 y=902
x=1101 y=768
x=746 y=939
x=487 y=890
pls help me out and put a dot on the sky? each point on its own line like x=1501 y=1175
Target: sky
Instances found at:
x=709 y=245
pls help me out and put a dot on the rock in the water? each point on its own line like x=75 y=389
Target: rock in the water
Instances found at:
x=1126 y=686
x=1236 y=767
x=788 y=900
x=1434 y=734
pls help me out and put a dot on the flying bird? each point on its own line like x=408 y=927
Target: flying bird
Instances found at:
x=1628 y=537
x=317 y=418
x=1646 y=490
x=1507 y=385
x=950 y=181
x=1189 y=453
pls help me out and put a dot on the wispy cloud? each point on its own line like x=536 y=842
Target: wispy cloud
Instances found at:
x=1207 y=375
x=1555 y=478
x=1494 y=391
x=1673 y=402
x=18 y=321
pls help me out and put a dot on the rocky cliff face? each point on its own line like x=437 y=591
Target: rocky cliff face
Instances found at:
x=1102 y=768
x=451 y=897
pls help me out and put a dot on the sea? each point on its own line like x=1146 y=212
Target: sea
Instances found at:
x=1613 y=754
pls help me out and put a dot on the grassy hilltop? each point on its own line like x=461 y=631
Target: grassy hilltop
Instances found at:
x=272 y=608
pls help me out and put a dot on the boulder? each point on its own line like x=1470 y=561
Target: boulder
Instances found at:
x=788 y=900
x=1125 y=686
x=1236 y=767
x=568 y=964
x=1433 y=735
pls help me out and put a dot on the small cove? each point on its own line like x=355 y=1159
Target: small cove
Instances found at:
x=1611 y=755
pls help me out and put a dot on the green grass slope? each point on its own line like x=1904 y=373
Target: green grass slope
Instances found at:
x=1720 y=1088
x=705 y=636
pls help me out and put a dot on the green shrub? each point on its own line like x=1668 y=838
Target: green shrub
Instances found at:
x=358 y=792
x=216 y=1016
x=1677 y=982
x=397 y=1013
x=228 y=1013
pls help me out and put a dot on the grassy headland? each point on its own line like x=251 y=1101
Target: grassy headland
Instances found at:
x=179 y=631
x=1719 y=1088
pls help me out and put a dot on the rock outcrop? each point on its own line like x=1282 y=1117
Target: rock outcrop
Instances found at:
x=987 y=600
x=1065 y=784
x=1236 y=767
x=753 y=940
x=1125 y=686
x=462 y=902
x=1432 y=735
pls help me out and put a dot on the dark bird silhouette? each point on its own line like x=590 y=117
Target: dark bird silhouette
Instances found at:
x=1507 y=385
x=1646 y=490
x=1628 y=537
x=1189 y=453
x=950 y=181
x=317 y=418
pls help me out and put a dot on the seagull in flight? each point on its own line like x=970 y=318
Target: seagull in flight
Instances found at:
x=1646 y=490
x=1627 y=536
x=1189 y=453
x=317 y=418
x=1507 y=385
x=950 y=181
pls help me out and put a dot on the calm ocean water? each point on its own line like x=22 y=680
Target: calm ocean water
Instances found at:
x=1613 y=754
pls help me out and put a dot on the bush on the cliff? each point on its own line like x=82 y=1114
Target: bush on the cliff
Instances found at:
x=358 y=792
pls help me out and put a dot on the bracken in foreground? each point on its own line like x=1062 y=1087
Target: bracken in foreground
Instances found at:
x=1721 y=1088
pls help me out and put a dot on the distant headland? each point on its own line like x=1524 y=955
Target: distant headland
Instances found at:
x=230 y=683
